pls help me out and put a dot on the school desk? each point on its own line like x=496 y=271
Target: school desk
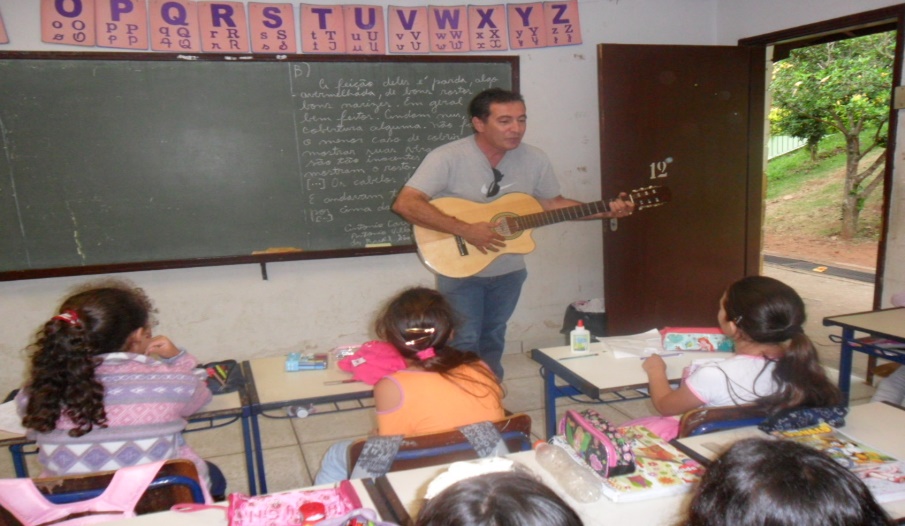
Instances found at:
x=271 y=389
x=411 y=485
x=878 y=425
x=888 y=324
x=602 y=376
x=222 y=410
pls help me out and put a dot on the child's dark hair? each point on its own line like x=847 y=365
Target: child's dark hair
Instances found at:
x=97 y=319
x=509 y=498
x=480 y=105
x=419 y=322
x=780 y=482
x=768 y=311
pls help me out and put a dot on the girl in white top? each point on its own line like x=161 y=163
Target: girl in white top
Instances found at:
x=775 y=365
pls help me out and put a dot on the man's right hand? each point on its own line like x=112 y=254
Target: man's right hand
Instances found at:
x=484 y=237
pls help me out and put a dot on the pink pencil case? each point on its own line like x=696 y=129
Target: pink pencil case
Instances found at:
x=598 y=442
x=695 y=339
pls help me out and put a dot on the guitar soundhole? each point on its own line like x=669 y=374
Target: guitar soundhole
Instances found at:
x=508 y=225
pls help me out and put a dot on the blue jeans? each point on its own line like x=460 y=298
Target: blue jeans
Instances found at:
x=484 y=306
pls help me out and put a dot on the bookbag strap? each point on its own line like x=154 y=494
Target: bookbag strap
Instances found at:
x=378 y=452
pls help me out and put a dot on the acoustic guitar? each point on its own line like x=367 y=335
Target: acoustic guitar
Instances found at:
x=515 y=215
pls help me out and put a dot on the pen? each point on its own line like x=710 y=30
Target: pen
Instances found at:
x=211 y=372
x=662 y=355
x=220 y=369
x=338 y=382
x=574 y=357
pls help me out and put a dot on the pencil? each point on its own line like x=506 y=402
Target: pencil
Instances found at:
x=575 y=357
x=211 y=372
x=222 y=370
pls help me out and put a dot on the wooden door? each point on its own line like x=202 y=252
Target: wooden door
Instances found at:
x=689 y=118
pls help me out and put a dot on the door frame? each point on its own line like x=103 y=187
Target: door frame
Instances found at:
x=859 y=24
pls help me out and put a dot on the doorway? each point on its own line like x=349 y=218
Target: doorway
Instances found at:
x=830 y=297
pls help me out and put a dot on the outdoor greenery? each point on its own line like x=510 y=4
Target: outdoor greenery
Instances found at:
x=841 y=88
x=803 y=194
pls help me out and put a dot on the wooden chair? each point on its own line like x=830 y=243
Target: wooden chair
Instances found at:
x=176 y=482
x=709 y=419
x=451 y=446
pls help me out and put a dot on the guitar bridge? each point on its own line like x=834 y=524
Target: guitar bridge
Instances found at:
x=463 y=248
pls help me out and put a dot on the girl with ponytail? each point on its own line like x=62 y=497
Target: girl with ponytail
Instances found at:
x=440 y=389
x=103 y=393
x=775 y=363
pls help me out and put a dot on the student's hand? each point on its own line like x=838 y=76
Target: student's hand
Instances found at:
x=161 y=347
x=654 y=364
x=485 y=237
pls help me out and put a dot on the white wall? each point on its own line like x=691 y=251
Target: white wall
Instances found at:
x=230 y=312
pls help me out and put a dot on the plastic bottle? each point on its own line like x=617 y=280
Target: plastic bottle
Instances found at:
x=299 y=411
x=577 y=480
x=580 y=338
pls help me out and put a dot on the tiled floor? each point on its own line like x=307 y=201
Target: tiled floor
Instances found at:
x=293 y=447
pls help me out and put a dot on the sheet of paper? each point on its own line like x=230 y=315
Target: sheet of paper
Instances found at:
x=635 y=345
x=10 y=421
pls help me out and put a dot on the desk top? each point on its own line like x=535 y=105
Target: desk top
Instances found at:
x=411 y=485
x=876 y=424
x=270 y=386
x=887 y=323
x=600 y=371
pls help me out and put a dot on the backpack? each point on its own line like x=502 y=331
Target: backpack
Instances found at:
x=21 y=497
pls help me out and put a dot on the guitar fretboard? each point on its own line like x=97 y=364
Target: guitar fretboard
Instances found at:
x=558 y=215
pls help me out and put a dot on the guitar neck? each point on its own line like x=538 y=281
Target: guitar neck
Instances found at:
x=558 y=215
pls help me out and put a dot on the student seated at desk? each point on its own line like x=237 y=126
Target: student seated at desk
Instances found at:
x=762 y=481
x=104 y=394
x=775 y=364
x=441 y=388
x=505 y=498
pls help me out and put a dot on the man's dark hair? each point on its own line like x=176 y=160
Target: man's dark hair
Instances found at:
x=480 y=105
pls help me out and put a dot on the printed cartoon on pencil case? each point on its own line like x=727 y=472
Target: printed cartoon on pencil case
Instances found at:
x=695 y=339
x=223 y=376
x=598 y=442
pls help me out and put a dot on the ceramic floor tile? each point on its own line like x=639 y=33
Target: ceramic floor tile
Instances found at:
x=519 y=365
x=314 y=453
x=277 y=431
x=334 y=426
x=285 y=468
x=523 y=394
x=225 y=440
x=233 y=468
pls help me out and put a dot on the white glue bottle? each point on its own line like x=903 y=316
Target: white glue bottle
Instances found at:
x=580 y=338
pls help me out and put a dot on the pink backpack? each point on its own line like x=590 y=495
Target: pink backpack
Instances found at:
x=21 y=498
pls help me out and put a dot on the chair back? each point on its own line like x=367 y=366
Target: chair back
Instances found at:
x=451 y=446
x=177 y=482
x=709 y=419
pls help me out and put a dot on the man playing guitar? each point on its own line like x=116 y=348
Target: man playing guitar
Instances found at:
x=480 y=168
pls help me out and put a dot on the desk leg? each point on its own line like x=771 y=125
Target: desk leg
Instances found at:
x=249 y=451
x=550 y=402
x=259 y=453
x=845 y=364
x=19 y=465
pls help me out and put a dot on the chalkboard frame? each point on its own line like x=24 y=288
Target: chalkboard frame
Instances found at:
x=262 y=259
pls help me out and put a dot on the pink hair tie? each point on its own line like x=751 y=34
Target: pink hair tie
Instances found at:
x=70 y=316
x=426 y=354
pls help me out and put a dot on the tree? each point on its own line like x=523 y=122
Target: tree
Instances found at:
x=843 y=86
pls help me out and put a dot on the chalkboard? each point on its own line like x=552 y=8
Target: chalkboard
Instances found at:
x=122 y=161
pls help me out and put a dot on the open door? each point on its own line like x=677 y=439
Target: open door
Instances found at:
x=681 y=117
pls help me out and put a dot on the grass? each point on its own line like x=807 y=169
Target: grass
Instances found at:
x=805 y=197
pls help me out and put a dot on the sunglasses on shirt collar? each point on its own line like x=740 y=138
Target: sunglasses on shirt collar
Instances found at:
x=494 y=187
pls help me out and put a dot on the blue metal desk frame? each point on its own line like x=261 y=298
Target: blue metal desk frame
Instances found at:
x=884 y=323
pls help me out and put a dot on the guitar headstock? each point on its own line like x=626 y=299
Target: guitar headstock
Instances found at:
x=650 y=196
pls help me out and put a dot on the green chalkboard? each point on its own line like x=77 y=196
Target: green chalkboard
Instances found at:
x=121 y=161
